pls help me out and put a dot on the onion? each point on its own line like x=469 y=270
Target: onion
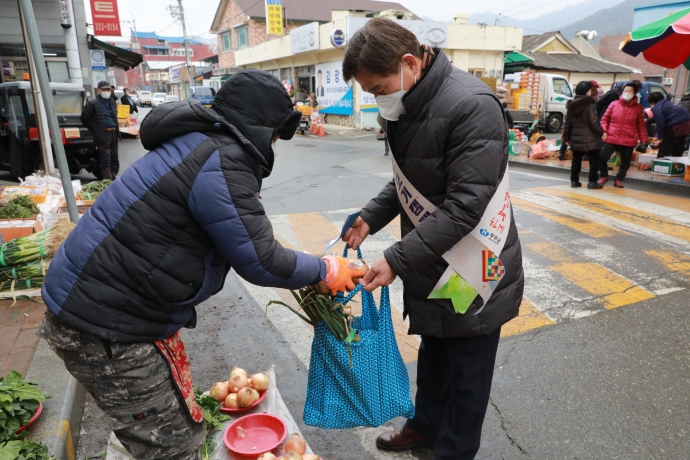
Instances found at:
x=259 y=381
x=296 y=444
x=310 y=457
x=219 y=391
x=237 y=382
x=267 y=456
x=292 y=455
x=231 y=401
x=247 y=396
x=237 y=370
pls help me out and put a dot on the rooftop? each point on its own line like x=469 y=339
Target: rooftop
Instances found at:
x=159 y=37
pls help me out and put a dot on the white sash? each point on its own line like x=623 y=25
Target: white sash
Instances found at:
x=474 y=266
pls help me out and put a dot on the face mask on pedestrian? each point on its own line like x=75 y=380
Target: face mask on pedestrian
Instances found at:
x=391 y=105
x=105 y=94
x=628 y=96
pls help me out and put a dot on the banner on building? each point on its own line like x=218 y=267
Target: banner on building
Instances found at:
x=105 y=17
x=305 y=38
x=333 y=94
x=274 y=17
x=367 y=102
x=434 y=34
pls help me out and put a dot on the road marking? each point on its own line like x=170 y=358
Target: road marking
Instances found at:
x=610 y=288
x=581 y=225
x=313 y=231
x=540 y=176
x=649 y=220
x=530 y=318
x=682 y=204
x=673 y=261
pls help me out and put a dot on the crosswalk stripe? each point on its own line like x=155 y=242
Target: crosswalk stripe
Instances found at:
x=610 y=288
x=312 y=230
x=530 y=318
x=645 y=199
x=675 y=262
x=585 y=226
x=616 y=220
x=652 y=221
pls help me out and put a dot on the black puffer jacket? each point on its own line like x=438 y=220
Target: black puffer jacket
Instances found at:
x=452 y=145
x=606 y=100
x=93 y=118
x=582 y=128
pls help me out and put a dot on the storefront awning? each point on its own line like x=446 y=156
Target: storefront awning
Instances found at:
x=115 y=56
x=516 y=58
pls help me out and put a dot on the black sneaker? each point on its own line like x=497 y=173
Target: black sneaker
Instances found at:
x=594 y=185
x=574 y=184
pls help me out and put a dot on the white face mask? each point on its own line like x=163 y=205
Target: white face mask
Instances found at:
x=391 y=105
x=105 y=94
x=628 y=97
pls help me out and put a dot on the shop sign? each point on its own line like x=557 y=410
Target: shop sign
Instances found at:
x=338 y=38
x=65 y=19
x=333 y=94
x=305 y=38
x=105 y=17
x=274 y=17
x=97 y=60
x=367 y=102
x=175 y=74
x=434 y=34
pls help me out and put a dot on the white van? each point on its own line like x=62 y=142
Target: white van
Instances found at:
x=557 y=94
x=145 y=98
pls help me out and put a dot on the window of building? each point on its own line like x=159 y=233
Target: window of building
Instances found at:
x=477 y=72
x=180 y=52
x=561 y=86
x=226 y=42
x=242 y=37
x=161 y=41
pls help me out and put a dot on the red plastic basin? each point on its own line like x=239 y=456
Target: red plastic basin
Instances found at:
x=241 y=410
x=32 y=419
x=255 y=434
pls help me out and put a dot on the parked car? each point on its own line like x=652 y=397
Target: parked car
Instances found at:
x=205 y=95
x=145 y=98
x=119 y=94
x=158 y=99
x=648 y=87
x=171 y=98
x=557 y=93
x=20 y=152
x=135 y=98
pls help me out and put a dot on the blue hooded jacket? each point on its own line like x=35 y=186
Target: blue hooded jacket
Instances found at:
x=162 y=238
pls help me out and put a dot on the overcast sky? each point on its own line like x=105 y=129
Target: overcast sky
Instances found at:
x=154 y=15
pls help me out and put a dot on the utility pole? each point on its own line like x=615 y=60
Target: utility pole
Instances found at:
x=178 y=13
x=27 y=13
x=141 y=66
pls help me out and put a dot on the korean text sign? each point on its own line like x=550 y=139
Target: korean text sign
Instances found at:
x=333 y=94
x=274 y=17
x=106 y=18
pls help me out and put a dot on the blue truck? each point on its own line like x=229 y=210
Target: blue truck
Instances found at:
x=205 y=95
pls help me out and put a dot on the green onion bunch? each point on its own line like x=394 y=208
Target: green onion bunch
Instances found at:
x=45 y=244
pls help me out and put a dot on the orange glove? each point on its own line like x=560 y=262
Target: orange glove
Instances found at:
x=342 y=273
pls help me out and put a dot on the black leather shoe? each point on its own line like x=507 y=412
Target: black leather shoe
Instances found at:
x=574 y=184
x=594 y=185
x=404 y=439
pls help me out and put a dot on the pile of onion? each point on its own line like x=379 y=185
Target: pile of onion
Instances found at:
x=240 y=391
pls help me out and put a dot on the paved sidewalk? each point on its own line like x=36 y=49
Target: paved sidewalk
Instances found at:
x=333 y=131
x=18 y=337
x=634 y=175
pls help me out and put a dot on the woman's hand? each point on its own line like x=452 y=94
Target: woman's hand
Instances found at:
x=603 y=138
x=380 y=274
x=355 y=235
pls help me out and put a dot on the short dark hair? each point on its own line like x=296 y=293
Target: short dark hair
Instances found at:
x=583 y=88
x=638 y=84
x=631 y=85
x=319 y=72
x=378 y=47
x=655 y=97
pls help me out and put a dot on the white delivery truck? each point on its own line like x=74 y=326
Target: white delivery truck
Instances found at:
x=548 y=92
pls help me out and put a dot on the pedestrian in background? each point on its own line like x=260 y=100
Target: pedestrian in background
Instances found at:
x=99 y=115
x=448 y=135
x=613 y=95
x=127 y=100
x=672 y=125
x=624 y=128
x=596 y=92
x=583 y=133
x=113 y=95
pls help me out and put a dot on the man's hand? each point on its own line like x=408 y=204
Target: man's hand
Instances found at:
x=356 y=234
x=380 y=274
x=603 y=138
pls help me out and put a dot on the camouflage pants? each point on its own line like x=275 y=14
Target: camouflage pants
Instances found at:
x=131 y=383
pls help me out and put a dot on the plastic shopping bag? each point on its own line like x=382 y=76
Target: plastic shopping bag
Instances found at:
x=376 y=388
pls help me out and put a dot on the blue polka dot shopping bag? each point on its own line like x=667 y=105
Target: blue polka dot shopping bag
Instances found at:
x=371 y=392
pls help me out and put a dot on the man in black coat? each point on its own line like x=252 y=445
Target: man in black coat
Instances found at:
x=99 y=115
x=449 y=140
x=127 y=100
x=612 y=95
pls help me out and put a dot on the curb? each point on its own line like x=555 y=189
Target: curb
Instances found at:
x=650 y=183
x=59 y=425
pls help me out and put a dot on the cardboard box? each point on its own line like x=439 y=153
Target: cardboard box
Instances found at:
x=667 y=168
x=646 y=158
x=10 y=233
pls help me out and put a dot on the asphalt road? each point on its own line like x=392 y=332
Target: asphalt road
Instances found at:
x=596 y=366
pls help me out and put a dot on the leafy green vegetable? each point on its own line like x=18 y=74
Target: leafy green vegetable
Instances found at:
x=19 y=207
x=91 y=190
x=211 y=409
x=208 y=448
x=17 y=448
x=18 y=401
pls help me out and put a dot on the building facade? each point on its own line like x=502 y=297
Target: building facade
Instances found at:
x=309 y=58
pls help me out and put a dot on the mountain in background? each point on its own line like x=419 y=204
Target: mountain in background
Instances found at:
x=549 y=22
x=610 y=21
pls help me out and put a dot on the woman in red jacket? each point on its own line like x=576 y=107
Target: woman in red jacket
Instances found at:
x=624 y=128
